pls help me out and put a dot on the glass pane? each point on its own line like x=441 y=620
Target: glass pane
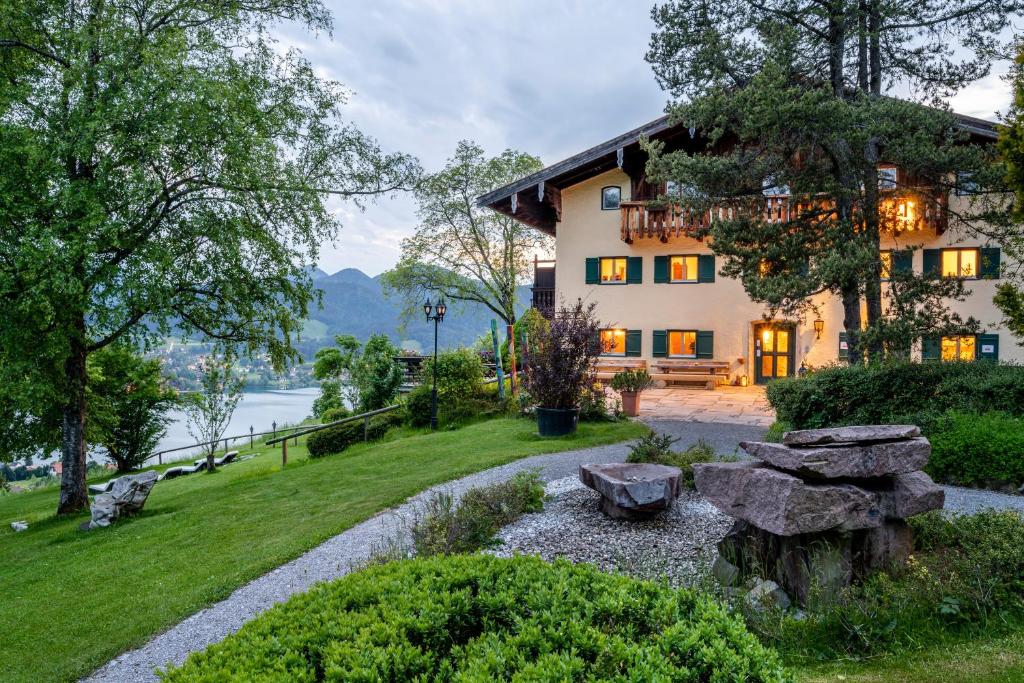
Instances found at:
x=968 y=263
x=675 y=343
x=767 y=341
x=613 y=270
x=782 y=341
x=950 y=263
x=886 y=257
x=766 y=365
x=620 y=270
x=610 y=197
x=781 y=366
x=677 y=267
x=690 y=343
x=607 y=267
x=949 y=348
x=684 y=268
x=966 y=348
x=613 y=342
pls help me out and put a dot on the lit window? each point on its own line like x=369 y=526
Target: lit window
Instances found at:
x=960 y=263
x=613 y=342
x=887 y=178
x=886 y=257
x=958 y=348
x=610 y=197
x=613 y=270
x=682 y=344
x=683 y=268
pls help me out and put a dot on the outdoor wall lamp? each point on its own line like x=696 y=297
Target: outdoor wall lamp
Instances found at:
x=819 y=325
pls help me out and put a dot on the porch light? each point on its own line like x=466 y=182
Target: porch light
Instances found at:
x=819 y=326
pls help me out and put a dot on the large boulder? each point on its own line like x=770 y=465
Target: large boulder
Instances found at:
x=854 y=434
x=633 y=490
x=910 y=494
x=875 y=459
x=126 y=497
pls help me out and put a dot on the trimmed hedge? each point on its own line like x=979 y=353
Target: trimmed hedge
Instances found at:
x=481 y=618
x=977 y=450
x=917 y=392
x=336 y=439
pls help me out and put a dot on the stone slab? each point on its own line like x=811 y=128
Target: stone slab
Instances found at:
x=911 y=494
x=632 y=489
x=877 y=459
x=853 y=434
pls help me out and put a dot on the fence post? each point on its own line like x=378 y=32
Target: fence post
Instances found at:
x=250 y=437
x=366 y=429
x=284 y=453
x=159 y=458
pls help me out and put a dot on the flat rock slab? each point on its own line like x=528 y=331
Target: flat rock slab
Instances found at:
x=911 y=494
x=877 y=459
x=633 y=490
x=853 y=434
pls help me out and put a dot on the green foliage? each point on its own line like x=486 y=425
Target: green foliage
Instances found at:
x=561 y=362
x=657 y=448
x=371 y=374
x=462 y=251
x=330 y=399
x=335 y=414
x=594 y=405
x=840 y=395
x=631 y=380
x=128 y=402
x=1010 y=302
x=776 y=430
x=445 y=527
x=977 y=449
x=480 y=618
x=336 y=439
x=459 y=373
x=209 y=410
x=965 y=579
x=531 y=325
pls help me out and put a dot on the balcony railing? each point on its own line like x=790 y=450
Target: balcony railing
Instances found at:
x=904 y=212
x=544 y=287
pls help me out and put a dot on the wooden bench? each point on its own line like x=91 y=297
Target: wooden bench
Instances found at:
x=710 y=373
x=606 y=368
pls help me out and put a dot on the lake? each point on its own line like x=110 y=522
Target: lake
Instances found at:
x=257 y=409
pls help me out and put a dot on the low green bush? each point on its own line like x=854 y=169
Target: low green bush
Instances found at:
x=481 y=618
x=977 y=450
x=335 y=414
x=776 y=430
x=657 y=449
x=877 y=394
x=336 y=439
x=452 y=411
x=460 y=374
x=597 y=406
x=965 y=579
x=445 y=527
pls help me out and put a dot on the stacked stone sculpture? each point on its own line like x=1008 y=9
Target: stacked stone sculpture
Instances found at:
x=823 y=508
x=126 y=497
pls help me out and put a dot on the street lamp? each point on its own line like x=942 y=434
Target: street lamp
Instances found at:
x=438 y=309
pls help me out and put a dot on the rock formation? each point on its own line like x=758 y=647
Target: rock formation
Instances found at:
x=126 y=497
x=633 y=490
x=823 y=508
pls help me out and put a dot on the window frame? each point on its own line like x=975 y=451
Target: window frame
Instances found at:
x=959 y=263
x=618 y=204
x=625 y=270
x=668 y=343
x=884 y=182
x=696 y=271
x=958 y=338
x=600 y=341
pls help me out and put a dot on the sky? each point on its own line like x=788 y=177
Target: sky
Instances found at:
x=547 y=77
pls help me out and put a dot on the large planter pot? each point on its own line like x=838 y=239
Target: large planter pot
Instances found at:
x=557 y=421
x=630 y=403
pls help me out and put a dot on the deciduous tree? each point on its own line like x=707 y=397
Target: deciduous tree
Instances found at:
x=209 y=410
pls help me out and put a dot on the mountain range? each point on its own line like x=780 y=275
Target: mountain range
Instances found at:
x=355 y=303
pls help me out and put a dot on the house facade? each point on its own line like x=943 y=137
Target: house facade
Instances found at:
x=658 y=290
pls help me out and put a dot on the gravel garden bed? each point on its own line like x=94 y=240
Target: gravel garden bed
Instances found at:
x=678 y=545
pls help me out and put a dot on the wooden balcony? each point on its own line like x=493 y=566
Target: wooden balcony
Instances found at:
x=906 y=212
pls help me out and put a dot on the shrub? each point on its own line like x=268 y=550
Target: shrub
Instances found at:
x=335 y=414
x=459 y=374
x=448 y=528
x=776 y=430
x=330 y=398
x=481 y=618
x=452 y=410
x=561 y=360
x=631 y=380
x=976 y=450
x=876 y=394
x=655 y=448
x=336 y=439
x=594 y=406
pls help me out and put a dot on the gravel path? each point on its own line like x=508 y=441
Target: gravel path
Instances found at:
x=698 y=523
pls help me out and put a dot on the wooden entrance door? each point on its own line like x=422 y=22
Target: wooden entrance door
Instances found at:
x=774 y=351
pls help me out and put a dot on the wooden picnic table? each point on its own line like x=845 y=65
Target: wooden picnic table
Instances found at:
x=709 y=372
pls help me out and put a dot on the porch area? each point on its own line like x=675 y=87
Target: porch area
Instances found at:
x=727 y=404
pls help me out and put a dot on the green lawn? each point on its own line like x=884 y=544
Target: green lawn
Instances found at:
x=73 y=600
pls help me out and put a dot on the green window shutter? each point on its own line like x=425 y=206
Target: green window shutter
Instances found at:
x=989 y=268
x=595 y=343
x=634 y=270
x=931 y=348
x=844 y=346
x=661 y=269
x=987 y=346
x=593 y=271
x=932 y=259
x=903 y=261
x=706 y=268
x=660 y=341
x=705 y=344
x=632 y=342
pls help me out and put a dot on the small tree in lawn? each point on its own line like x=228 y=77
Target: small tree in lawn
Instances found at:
x=368 y=376
x=128 y=403
x=209 y=411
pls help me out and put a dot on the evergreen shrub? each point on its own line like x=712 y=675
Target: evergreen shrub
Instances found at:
x=336 y=439
x=977 y=450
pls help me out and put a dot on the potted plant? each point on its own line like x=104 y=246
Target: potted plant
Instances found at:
x=629 y=384
x=561 y=367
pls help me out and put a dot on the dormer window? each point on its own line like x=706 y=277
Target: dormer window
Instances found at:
x=611 y=197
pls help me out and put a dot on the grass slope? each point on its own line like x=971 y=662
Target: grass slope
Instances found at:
x=73 y=600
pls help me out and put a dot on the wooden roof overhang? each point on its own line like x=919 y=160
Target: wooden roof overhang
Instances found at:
x=536 y=200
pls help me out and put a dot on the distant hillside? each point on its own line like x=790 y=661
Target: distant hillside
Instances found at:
x=354 y=303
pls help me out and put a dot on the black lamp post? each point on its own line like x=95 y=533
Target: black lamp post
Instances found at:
x=438 y=309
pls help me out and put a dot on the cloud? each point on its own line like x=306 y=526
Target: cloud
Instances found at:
x=548 y=77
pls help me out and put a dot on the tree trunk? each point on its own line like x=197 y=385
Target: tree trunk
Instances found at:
x=873 y=277
x=851 y=322
x=875 y=62
x=74 y=497
x=210 y=464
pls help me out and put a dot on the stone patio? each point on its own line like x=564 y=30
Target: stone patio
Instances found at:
x=736 y=405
